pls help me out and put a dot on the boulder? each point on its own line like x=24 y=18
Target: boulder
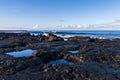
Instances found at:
x=52 y=37
x=12 y=66
x=17 y=44
x=48 y=55
x=71 y=47
x=77 y=38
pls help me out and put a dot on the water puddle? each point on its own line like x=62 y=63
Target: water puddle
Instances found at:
x=74 y=52
x=1 y=62
x=23 y=53
x=60 y=61
x=65 y=39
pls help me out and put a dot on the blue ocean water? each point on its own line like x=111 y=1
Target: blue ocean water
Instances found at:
x=91 y=33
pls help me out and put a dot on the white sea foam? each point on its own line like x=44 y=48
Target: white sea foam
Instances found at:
x=65 y=37
x=35 y=34
x=93 y=34
x=45 y=34
x=98 y=37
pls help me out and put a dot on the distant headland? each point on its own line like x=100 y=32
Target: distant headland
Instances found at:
x=13 y=31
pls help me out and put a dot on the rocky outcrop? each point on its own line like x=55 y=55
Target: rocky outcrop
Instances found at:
x=77 y=38
x=12 y=66
x=52 y=37
x=47 y=55
x=96 y=59
x=81 y=71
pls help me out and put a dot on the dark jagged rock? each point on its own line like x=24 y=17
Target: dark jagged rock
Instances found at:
x=116 y=40
x=48 y=55
x=71 y=47
x=92 y=53
x=96 y=59
x=71 y=57
x=80 y=71
x=101 y=40
x=43 y=37
x=52 y=37
x=12 y=66
x=77 y=38
x=49 y=37
x=5 y=57
x=17 y=44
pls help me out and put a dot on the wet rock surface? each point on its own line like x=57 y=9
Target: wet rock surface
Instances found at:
x=95 y=59
x=77 y=38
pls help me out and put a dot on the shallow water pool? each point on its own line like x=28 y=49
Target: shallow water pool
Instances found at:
x=1 y=62
x=74 y=52
x=60 y=61
x=23 y=53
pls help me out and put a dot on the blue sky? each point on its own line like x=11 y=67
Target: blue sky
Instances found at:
x=52 y=14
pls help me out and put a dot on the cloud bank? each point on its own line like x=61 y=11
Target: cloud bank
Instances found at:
x=36 y=26
x=115 y=25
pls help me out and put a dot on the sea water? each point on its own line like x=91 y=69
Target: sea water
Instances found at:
x=23 y=53
x=74 y=51
x=109 y=34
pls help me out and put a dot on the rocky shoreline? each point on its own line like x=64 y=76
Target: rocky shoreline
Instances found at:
x=90 y=58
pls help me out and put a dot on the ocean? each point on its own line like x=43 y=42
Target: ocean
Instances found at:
x=107 y=34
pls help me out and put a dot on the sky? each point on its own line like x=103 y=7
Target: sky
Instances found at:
x=60 y=14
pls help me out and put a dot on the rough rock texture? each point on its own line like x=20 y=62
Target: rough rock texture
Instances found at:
x=79 y=71
x=96 y=59
x=77 y=38
x=48 y=55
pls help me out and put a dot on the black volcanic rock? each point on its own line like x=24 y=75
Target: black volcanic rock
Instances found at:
x=96 y=59
x=49 y=55
x=80 y=71
x=77 y=38
x=12 y=66
x=52 y=37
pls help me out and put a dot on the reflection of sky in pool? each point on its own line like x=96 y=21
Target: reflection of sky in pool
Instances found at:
x=60 y=61
x=23 y=53
x=1 y=62
x=74 y=52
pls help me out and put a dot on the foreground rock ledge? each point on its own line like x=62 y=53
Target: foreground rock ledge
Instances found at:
x=96 y=59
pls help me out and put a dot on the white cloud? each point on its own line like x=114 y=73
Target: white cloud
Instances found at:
x=36 y=26
x=115 y=25
x=117 y=20
x=75 y=26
